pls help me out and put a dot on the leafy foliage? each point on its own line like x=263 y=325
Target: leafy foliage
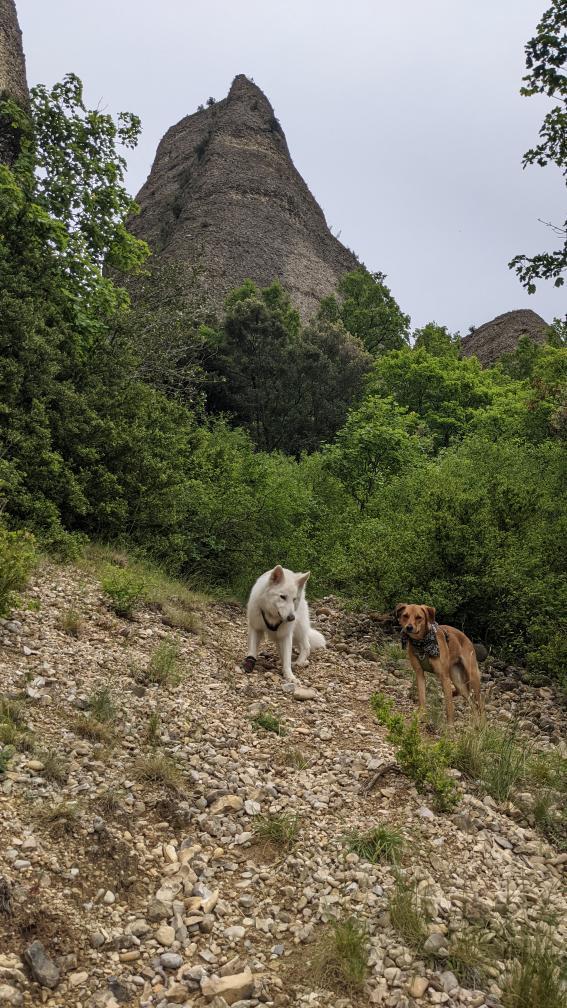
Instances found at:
x=17 y=559
x=546 y=57
x=368 y=310
x=425 y=762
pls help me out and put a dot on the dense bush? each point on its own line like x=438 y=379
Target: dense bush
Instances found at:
x=17 y=558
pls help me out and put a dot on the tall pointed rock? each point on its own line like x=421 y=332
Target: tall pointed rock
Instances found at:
x=13 y=82
x=223 y=191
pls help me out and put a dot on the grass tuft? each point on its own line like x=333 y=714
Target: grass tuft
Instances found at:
x=341 y=957
x=62 y=817
x=295 y=759
x=269 y=722
x=281 y=830
x=163 y=667
x=409 y=913
x=101 y=705
x=70 y=622
x=496 y=756
x=54 y=766
x=12 y=711
x=536 y=977
x=158 y=768
x=153 y=729
x=175 y=615
x=90 y=728
x=378 y=844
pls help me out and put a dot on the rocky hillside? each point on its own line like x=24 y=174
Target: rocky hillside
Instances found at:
x=160 y=845
x=502 y=335
x=223 y=192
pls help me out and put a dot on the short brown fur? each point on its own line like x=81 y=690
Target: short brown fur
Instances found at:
x=456 y=663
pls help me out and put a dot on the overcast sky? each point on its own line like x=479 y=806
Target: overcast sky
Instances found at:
x=403 y=117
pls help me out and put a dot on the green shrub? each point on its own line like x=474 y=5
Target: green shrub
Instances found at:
x=269 y=722
x=427 y=763
x=102 y=706
x=126 y=590
x=17 y=559
x=6 y=753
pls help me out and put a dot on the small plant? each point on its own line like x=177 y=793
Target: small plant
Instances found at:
x=54 y=767
x=153 y=729
x=12 y=711
x=269 y=722
x=9 y=733
x=393 y=651
x=6 y=753
x=163 y=667
x=378 y=844
x=496 y=756
x=536 y=976
x=470 y=953
x=61 y=817
x=109 y=802
x=427 y=763
x=295 y=759
x=159 y=769
x=409 y=913
x=281 y=830
x=341 y=957
x=90 y=728
x=70 y=623
x=101 y=705
x=126 y=589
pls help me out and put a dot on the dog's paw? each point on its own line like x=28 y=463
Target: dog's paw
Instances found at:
x=290 y=678
x=302 y=661
x=249 y=663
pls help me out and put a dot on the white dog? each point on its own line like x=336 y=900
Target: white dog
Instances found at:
x=278 y=609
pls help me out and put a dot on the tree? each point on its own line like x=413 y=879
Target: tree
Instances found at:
x=166 y=329
x=437 y=340
x=377 y=442
x=81 y=178
x=546 y=57
x=368 y=310
x=443 y=391
x=290 y=388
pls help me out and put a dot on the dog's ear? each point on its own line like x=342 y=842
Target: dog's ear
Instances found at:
x=302 y=579
x=277 y=574
x=399 y=609
x=430 y=612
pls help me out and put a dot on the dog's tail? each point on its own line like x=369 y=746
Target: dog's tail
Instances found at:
x=316 y=639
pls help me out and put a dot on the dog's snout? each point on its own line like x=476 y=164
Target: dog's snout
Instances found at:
x=409 y=628
x=291 y=617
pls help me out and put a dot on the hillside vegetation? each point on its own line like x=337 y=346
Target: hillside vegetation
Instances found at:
x=389 y=466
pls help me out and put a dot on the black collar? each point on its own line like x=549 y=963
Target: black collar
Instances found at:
x=271 y=626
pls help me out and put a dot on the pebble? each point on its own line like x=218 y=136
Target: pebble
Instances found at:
x=165 y=935
x=42 y=968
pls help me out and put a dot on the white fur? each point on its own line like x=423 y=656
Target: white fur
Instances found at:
x=267 y=596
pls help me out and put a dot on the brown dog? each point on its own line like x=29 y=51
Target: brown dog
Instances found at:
x=443 y=649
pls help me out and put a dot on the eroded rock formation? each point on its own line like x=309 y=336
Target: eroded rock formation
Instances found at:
x=502 y=334
x=223 y=190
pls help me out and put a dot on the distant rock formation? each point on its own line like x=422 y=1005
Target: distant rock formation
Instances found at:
x=223 y=191
x=13 y=82
x=501 y=336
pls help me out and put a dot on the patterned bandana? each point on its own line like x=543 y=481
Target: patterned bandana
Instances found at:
x=426 y=648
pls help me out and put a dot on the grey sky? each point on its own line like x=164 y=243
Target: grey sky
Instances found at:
x=403 y=117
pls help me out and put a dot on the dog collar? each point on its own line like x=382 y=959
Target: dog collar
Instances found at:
x=428 y=647
x=271 y=626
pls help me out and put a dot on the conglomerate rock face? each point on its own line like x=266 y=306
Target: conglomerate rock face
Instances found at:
x=223 y=192
x=13 y=83
x=501 y=336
